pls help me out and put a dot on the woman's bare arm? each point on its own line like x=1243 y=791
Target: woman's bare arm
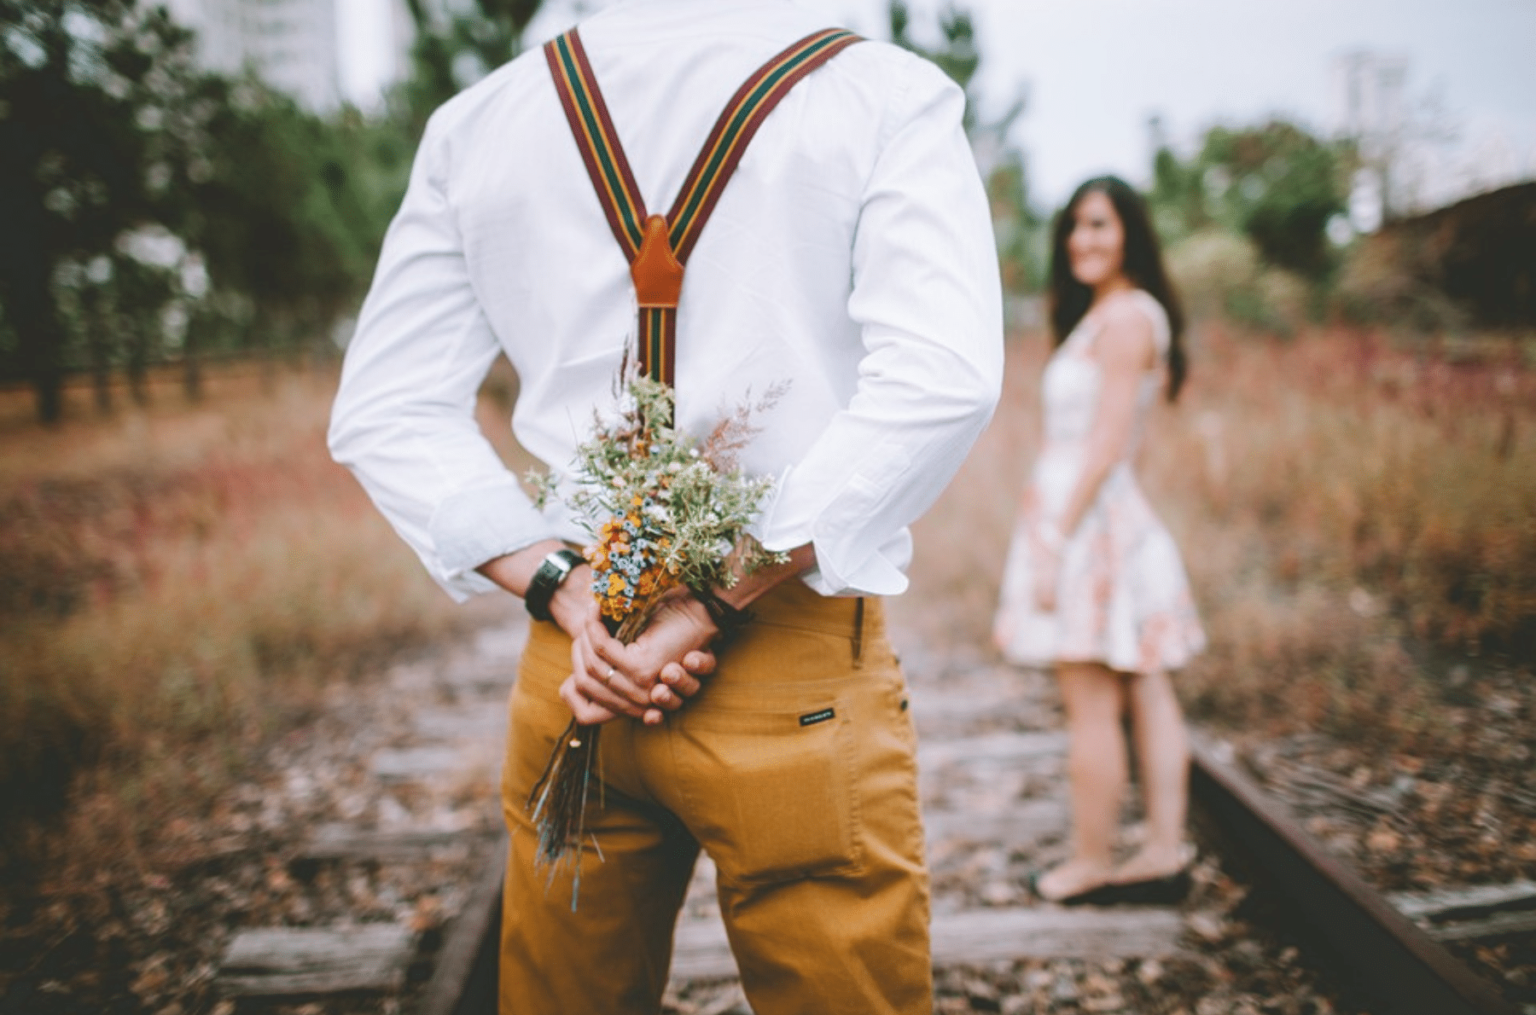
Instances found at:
x=1125 y=350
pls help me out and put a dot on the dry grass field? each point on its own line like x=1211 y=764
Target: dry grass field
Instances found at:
x=1358 y=518
x=178 y=584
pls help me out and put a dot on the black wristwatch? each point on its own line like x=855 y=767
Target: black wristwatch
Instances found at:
x=728 y=619
x=552 y=573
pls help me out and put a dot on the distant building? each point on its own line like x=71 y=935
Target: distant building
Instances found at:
x=1370 y=95
x=293 y=45
x=1413 y=158
x=1479 y=253
x=1370 y=108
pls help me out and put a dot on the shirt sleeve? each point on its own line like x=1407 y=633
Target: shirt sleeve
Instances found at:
x=927 y=297
x=404 y=416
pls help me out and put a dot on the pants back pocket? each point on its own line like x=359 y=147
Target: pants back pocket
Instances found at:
x=771 y=794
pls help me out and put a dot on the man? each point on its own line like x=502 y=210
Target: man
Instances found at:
x=850 y=260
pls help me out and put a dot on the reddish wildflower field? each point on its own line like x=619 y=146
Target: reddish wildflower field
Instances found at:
x=177 y=586
x=1358 y=517
x=179 y=583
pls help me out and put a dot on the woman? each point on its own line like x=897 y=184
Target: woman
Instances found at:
x=1094 y=586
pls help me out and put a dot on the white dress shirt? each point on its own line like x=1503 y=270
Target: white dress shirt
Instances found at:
x=851 y=257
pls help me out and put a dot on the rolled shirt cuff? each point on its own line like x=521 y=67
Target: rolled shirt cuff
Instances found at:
x=478 y=525
x=881 y=573
x=851 y=559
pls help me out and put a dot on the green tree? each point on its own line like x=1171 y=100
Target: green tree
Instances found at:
x=1177 y=198
x=957 y=56
x=81 y=90
x=285 y=213
x=262 y=220
x=455 y=50
x=1018 y=226
x=1275 y=183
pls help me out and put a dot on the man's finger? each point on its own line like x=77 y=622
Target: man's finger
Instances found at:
x=609 y=696
x=699 y=663
x=602 y=644
x=671 y=698
x=588 y=663
x=586 y=711
x=604 y=649
x=678 y=680
x=619 y=683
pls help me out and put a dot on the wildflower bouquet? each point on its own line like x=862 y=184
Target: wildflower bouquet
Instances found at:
x=667 y=514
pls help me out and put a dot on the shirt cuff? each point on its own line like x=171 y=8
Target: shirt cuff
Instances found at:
x=880 y=574
x=852 y=557
x=478 y=525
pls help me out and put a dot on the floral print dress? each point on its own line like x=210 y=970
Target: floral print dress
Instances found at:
x=1123 y=596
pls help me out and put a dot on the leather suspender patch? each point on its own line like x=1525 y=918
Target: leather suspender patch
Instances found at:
x=656 y=246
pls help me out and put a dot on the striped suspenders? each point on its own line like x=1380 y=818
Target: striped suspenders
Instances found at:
x=657 y=247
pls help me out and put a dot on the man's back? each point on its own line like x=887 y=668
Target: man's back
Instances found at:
x=815 y=269
x=850 y=259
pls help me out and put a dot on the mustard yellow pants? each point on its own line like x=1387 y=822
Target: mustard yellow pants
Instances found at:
x=794 y=768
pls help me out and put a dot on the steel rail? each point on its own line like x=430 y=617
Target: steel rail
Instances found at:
x=1391 y=957
x=1388 y=955
x=464 y=976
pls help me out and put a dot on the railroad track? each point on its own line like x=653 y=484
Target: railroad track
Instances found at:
x=991 y=758
x=1397 y=960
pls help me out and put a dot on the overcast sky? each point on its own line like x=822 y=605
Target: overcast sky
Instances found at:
x=1098 y=68
x=1095 y=70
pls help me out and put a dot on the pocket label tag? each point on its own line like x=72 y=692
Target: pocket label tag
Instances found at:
x=812 y=718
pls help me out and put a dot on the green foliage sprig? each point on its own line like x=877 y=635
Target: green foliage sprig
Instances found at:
x=664 y=509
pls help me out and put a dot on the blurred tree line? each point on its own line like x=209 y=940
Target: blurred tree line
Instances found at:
x=1254 y=220
x=1016 y=221
x=152 y=211
x=1275 y=184
x=1257 y=223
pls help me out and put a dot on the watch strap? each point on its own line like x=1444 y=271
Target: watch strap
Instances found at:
x=727 y=619
x=546 y=581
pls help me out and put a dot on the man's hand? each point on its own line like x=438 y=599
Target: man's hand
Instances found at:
x=661 y=669
x=1046 y=544
x=655 y=675
x=602 y=686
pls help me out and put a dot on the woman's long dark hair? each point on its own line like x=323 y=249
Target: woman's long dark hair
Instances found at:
x=1143 y=265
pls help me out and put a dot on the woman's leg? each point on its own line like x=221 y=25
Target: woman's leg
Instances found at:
x=1162 y=757
x=1096 y=769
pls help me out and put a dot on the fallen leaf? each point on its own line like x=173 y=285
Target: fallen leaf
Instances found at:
x=1383 y=840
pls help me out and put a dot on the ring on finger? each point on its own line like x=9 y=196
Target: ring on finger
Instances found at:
x=608 y=677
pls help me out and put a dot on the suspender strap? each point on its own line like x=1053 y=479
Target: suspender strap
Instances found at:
x=737 y=125
x=657 y=247
x=599 y=142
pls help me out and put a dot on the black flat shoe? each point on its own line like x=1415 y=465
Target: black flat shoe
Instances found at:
x=1098 y=895
x=1168 y=890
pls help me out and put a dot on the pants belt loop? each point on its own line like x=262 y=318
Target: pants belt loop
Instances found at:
x=858 y=629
